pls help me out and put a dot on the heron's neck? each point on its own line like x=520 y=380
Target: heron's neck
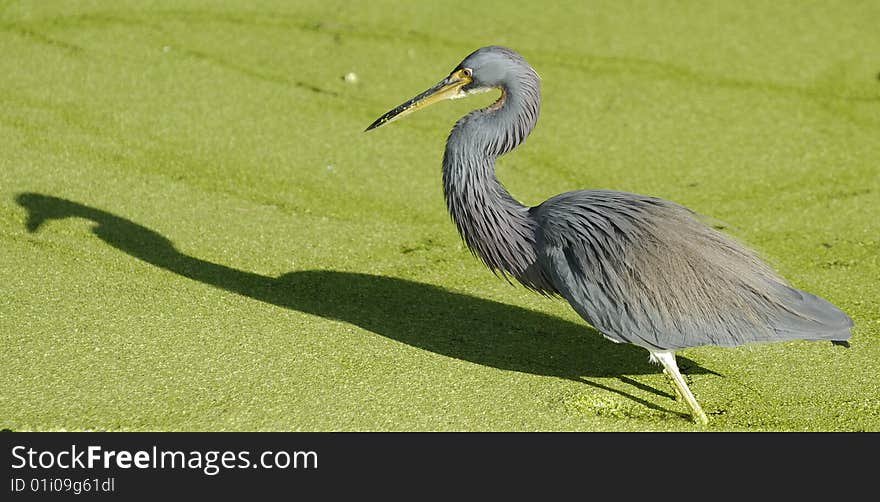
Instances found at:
x=494 y=225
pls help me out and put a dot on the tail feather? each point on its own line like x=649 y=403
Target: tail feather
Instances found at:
x=804 y=316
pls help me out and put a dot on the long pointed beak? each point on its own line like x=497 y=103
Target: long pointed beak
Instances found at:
x=448 y=88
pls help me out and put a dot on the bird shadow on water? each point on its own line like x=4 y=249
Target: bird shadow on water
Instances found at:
x=452 y=324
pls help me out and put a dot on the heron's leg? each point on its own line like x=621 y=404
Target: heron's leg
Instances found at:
x=667 y=359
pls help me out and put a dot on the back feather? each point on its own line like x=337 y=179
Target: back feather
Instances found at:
x=646 y=271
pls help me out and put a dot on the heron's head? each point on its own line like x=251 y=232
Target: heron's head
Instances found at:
x=487 y=68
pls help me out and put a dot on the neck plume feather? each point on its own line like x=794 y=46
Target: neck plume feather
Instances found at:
x=495 y=226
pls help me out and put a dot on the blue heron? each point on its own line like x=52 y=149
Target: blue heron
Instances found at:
x=640 y=269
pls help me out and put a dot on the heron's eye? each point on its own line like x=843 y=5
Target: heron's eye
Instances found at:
x=468 y=72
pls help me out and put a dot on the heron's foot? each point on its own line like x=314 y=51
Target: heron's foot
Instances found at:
x=699 y=415
x=682 y=391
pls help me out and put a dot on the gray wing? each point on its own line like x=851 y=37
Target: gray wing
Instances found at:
x=646 y=271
